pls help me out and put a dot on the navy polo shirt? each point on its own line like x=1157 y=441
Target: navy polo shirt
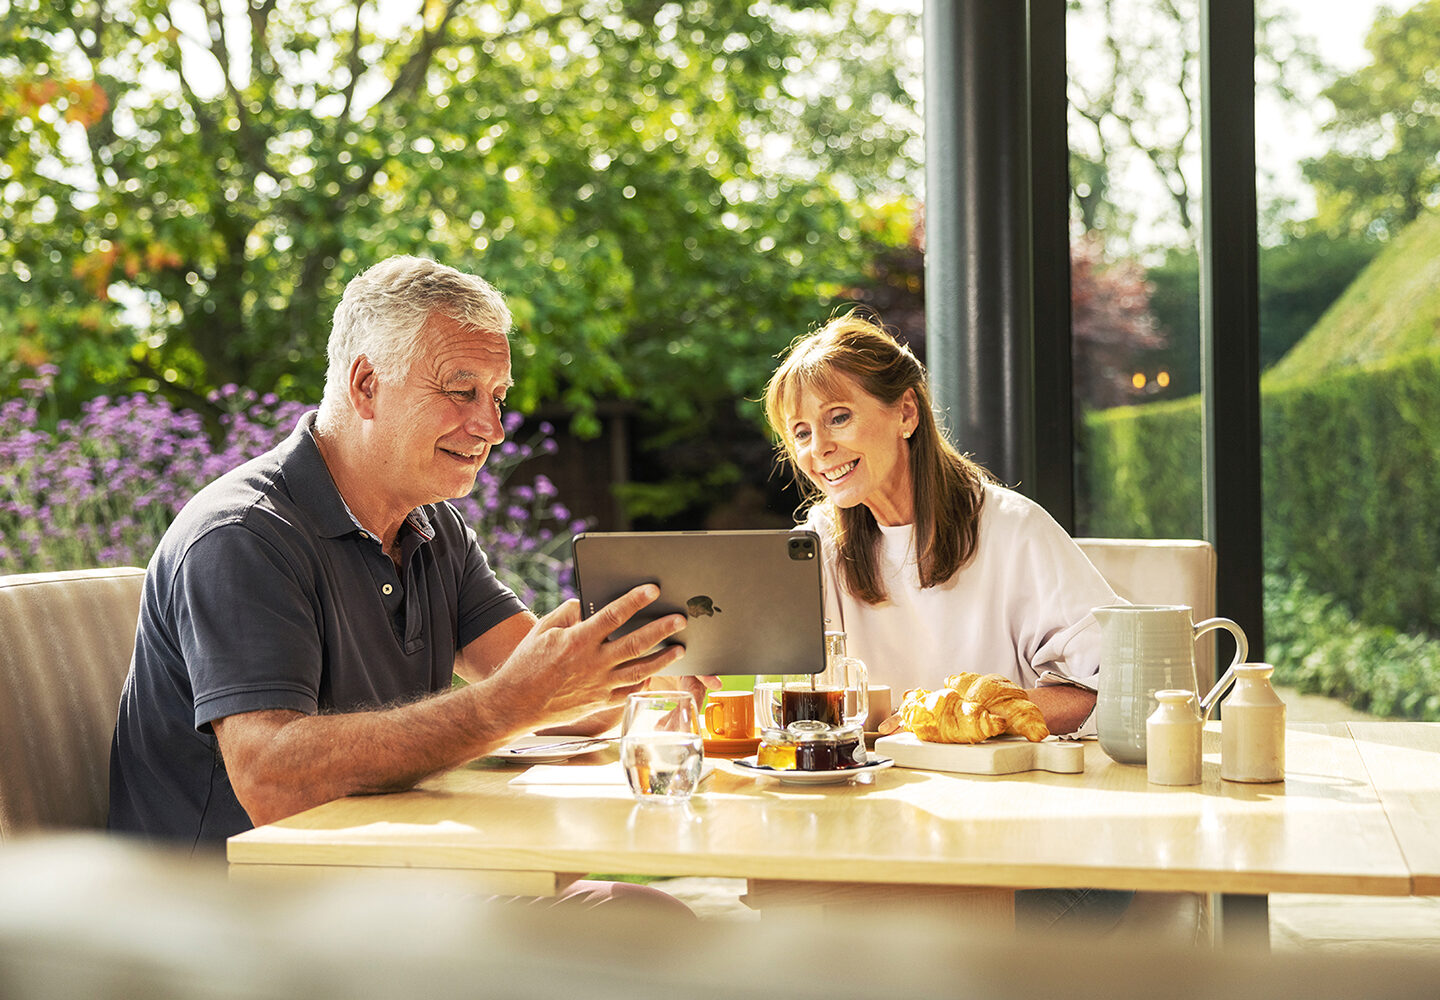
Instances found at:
x=265 y=593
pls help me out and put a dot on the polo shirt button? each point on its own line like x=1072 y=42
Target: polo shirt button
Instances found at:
x=386 y=590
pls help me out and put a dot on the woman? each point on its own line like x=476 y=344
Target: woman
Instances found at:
x=931 y=567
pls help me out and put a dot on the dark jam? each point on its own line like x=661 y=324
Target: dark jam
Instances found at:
x=816 y=752
x=849 y=747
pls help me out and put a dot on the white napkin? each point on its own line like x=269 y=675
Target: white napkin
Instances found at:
x=585 y=774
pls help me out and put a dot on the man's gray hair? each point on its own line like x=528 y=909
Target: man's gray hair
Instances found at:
x=383 y=311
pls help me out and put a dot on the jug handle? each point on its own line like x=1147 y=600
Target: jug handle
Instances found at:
x=1242 y=650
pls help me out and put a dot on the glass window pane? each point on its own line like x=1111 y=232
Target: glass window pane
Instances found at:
x=1349 y=255
x=1134 y=156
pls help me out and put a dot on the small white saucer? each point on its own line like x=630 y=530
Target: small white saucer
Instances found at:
x=748 y=767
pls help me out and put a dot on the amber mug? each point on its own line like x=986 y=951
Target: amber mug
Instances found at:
x=730 y=715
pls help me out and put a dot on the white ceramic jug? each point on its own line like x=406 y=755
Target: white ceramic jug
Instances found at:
x=1146 y=648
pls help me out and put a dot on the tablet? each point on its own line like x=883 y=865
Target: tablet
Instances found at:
x=753 y=598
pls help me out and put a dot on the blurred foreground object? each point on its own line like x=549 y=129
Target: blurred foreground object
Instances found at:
x=83 y=916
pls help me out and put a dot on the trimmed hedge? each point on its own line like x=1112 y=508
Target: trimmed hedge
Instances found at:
x=1352 y=488
x=1351 y=483
x=1140 y=466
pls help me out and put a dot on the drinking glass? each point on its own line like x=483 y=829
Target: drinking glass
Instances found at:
x=848 y=674
x=767 y=701
x=660 y=746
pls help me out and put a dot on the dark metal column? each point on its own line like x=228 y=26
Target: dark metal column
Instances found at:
x=1230 y=313
x=977 y=231
x=1054 y=482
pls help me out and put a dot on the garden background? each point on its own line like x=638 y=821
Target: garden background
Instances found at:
x=668 y=193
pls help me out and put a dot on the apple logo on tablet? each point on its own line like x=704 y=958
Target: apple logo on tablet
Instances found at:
x=701 y=606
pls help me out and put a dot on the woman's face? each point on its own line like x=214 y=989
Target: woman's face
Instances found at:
x=855 y=448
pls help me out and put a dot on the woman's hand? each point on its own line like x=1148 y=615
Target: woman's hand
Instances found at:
x=697 y=686
x=1064 y=706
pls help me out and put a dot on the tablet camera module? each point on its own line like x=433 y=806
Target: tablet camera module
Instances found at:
x=802 y=549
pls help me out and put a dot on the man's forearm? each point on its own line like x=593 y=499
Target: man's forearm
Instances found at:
x=281 y=763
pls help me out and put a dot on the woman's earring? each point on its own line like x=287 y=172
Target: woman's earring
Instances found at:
x=906 y=435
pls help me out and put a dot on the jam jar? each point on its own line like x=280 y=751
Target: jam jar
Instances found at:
x=814 y=745
x=850 y=746
x=777 y=750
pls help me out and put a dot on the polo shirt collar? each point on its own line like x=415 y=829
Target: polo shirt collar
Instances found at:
x=312 y=486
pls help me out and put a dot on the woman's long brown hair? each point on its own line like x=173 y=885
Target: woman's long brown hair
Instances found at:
x=949 y=488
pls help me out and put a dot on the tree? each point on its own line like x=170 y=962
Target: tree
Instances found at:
x=1383 y=171
x=1299 y=279
x=188 y=186
x=1136 y=92
x=1111 y=324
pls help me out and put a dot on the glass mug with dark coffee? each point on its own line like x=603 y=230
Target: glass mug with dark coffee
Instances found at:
x=837 y=696
x=781 y=699
x=822 y=704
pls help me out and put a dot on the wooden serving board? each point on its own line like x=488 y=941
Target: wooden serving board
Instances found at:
x=1001 y=755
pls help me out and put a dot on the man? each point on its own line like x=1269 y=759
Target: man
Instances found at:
x=302 y=617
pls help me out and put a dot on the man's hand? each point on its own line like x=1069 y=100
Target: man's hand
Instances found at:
x=567 y=668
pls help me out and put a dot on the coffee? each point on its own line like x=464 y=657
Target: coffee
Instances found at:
x=822 y=704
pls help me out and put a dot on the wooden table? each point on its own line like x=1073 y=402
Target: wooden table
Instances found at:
x=1403 y=761
x=1355 y=815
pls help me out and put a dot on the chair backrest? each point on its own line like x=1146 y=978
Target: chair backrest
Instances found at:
x=1162 y=571
x=65 y=645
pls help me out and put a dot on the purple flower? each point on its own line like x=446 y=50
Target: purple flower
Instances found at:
x=102 y=488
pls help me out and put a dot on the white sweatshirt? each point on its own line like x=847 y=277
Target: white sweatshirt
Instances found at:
x=1019 y=607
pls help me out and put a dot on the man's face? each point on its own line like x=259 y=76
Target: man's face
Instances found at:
x=435 y=428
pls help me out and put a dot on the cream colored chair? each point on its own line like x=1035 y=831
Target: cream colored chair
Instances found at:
x=1165 y=571
x=65 y=645
x=1162 y=571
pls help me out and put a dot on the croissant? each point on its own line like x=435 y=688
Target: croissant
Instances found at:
x=1001 y=696
x=945 y=717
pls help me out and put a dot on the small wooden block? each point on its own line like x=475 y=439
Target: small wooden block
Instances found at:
x=1003 y=755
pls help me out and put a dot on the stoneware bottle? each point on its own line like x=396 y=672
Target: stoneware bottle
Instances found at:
x=1173 y=739
x=1252 y=728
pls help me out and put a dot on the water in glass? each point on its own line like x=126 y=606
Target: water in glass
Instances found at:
x=662 y=767
x=660 y=745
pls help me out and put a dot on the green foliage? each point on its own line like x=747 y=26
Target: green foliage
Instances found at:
x=1141 y=464
x=1392 y=308
x=1318 y=647
x=185 y=202
x=1299 y=279
x=1382 y=172
x=1351 y=483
